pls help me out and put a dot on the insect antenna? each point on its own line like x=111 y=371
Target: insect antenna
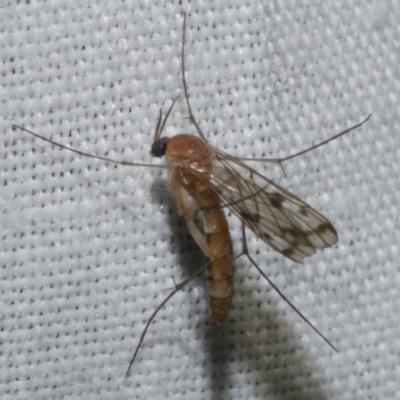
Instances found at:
x=161 y=122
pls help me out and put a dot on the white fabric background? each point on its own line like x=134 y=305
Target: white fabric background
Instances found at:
x=89 y=250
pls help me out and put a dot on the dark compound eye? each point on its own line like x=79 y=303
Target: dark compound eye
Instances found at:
x=159 y=147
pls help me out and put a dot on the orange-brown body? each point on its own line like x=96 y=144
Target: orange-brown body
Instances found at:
x=190 y=161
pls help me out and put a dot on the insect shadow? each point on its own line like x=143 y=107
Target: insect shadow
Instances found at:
x=229 y=343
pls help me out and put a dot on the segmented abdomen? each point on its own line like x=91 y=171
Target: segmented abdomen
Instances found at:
x=220 y=272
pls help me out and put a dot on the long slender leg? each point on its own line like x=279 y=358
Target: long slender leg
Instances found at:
x=82 y=153
x=292 y=306
x=337 y=136
x=178 y=287
x=191 y=116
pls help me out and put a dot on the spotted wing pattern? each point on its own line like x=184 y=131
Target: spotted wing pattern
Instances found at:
x=281 y=219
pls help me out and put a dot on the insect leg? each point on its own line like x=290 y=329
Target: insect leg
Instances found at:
x=191 y=116
x=292 y=306
x=199 y=238
x=281 y=160
x=82 y=153
x=178 y=287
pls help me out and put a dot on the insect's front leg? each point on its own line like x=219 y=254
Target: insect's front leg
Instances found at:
x=188 y=208
x=198 y=236
x=185 y=88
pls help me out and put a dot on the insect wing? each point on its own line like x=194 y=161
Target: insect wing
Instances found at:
x=281 y=219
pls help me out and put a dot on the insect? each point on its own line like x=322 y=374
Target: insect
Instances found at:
x=204 y=179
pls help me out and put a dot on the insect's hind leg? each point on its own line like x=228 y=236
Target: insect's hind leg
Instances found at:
x=192 y=119
x=245 y=252
x=178 y=287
